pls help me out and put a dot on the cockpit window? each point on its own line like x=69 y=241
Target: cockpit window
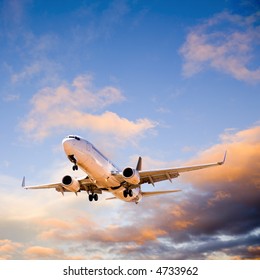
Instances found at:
x=74 y=137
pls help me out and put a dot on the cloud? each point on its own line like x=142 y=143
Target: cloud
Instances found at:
x=11 y=97
x=108 y=235
x=8 y=248
x=75 y=106
x=102 y=21
x=228 y=50
x=243 y=156
x=28 y=71
x=111 y=17
x=16 y=9
x=39 y=252
x=36 y=68
x=32 y=60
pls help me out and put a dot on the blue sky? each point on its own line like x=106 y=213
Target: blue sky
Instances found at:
x=176 y=82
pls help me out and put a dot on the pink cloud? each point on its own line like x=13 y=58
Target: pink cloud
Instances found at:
x=228 y=51
x=53 y=109
x=8 y=248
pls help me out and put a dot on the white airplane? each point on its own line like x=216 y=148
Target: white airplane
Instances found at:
x=104 y=176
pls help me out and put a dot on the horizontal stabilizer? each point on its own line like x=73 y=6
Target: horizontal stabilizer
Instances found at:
x=110 y=198
x=145 y=194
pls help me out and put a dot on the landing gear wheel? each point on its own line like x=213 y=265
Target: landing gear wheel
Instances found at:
x=75 y=167
x=93 y=196
x=125 y=193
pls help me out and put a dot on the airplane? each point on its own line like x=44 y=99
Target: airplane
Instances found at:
x=104 y=176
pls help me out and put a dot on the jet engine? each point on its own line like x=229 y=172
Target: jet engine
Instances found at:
x=131 y=175
x=70 y=184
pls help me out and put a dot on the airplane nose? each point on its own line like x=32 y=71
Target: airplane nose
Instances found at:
x=67 y=143
x=64 y=141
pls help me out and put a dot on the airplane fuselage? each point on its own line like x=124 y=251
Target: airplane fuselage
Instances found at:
x=101 y=171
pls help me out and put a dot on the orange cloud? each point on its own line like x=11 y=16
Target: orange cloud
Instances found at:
x=56 y=223
x=139 y=236
x=8 y=248
x=242 y=164
x=42 y=252
x=39 y=252
x=82 y=229
x=184 y=224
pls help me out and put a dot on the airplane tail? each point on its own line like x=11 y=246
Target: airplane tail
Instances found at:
x=23 y=182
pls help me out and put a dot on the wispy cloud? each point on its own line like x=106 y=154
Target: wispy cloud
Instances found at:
x=16 y=9
x=37 y=64
x=11 y=97
x=31 y=54
x=75 y=106
x=102 y=21
x=230 y=50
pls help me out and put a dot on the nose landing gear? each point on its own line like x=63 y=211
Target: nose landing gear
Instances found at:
x=75 y=167
x=73 y=160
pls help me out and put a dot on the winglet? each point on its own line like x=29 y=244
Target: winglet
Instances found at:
x=23 y=182
x=139 y=164
x=224 y=159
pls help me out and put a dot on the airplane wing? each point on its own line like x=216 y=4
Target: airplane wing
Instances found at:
x=85 y=185
x=153 y=176
x=46 y=186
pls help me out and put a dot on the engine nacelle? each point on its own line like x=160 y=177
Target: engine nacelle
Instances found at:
x=70 y=184
x=131 y=175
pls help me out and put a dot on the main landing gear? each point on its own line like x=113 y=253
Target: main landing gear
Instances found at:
x=127 y=193
x=93 y=196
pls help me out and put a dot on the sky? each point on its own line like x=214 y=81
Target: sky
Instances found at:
x=176 y=82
